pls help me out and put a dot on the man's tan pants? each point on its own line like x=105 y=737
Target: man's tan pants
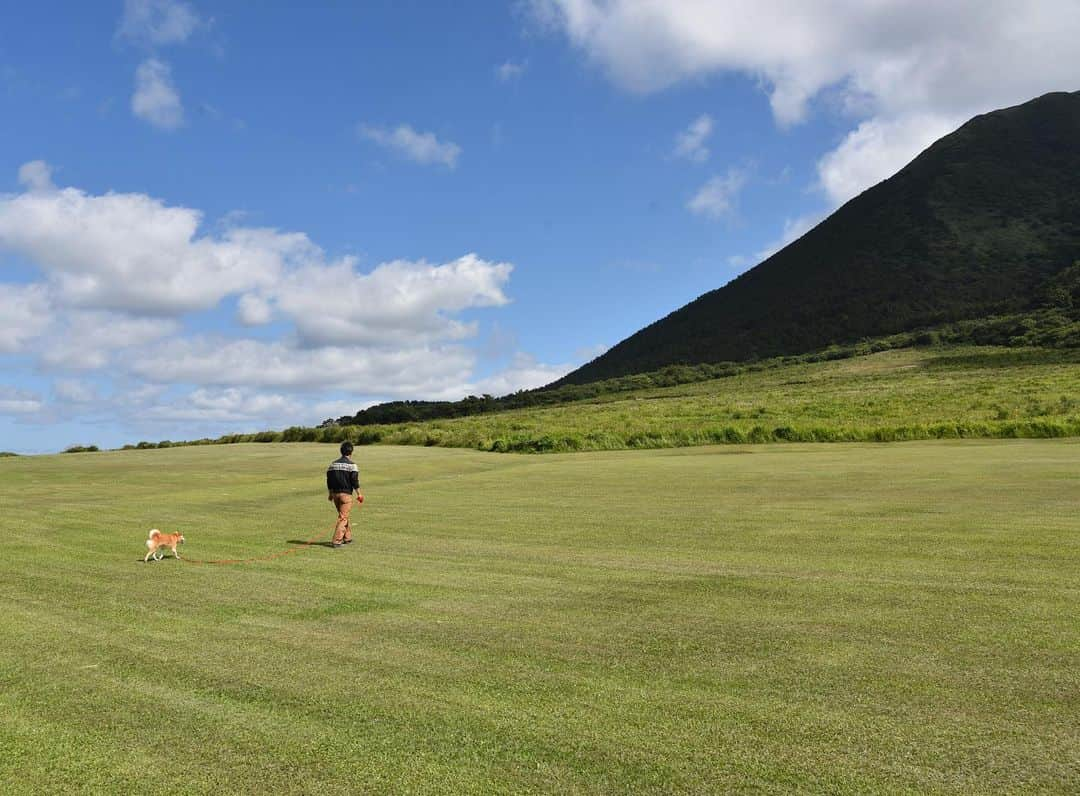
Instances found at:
x=343 y=531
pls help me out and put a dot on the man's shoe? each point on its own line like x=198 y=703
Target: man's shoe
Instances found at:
x=347 y=541
x=335 y=545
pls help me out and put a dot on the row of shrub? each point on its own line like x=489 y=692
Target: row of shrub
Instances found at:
x=329 y=434
x=724 y=435
x=730 y=435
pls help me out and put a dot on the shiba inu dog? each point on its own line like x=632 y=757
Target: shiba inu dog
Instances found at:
x=160 y=540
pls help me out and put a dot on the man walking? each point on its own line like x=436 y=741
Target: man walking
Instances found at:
x=342 y=479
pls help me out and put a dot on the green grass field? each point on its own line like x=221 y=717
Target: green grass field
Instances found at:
x=848 y=618
x=907 y=394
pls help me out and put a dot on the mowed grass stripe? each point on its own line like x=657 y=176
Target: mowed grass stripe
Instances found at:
x=849 y=618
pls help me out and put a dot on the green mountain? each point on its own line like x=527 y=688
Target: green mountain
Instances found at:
x=984 y=222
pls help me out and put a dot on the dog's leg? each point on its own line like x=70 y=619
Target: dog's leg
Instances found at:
x=176 y=554
x=147 y=559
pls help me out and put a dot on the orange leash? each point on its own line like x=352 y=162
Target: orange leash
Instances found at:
x=280 y=554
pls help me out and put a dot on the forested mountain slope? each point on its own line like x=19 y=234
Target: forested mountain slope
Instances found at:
x=978 y=224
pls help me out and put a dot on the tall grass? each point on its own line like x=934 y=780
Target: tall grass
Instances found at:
x=911 y=394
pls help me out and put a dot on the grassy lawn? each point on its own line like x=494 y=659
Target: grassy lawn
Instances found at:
x=913 y=393
x=848 y=618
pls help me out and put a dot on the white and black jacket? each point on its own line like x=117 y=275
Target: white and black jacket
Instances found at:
x=343 y=476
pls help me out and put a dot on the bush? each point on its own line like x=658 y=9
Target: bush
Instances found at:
x=299 y=434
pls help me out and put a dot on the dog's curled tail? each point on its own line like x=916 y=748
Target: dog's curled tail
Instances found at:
x=150 y=539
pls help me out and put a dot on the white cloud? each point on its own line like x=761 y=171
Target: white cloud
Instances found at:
x=397 y=304
x=253 y=310
x=509 y=71
x=690 y=143
x=253 y=383
x=419 y=147
x=254 y=403
x=877 y=149
x=524 y=373
x=86 y=341
x=25 y=314
x=159 y=412
x=158 y=22
x=155 y=99
x=322 y=410
x=131 y=252
x=416 y=372
x=121 y=271
x=909 y=69
x=717 y=197
x=36 y=176
x=14 y=401
x=230 y=405
x=74 y=391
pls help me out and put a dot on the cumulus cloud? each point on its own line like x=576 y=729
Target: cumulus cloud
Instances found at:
x=230 y=405
x=419 y=147
x=122 y=274
x=74 y=391
x=131 y=252
x=247 y=380
x=85 y=341
x=876 y=149
x=912 y=69
x=36 y=176
x=717 y=197
x=24 y=315
x=155 y=99
x=166 y=412
x=690 y=143
x=398 y=303
x=253 y=310
x=14 y=401
x=524 y=373
x=417 y=371
x=158 y=22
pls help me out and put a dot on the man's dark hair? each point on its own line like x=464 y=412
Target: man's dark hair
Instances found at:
x=346 y=448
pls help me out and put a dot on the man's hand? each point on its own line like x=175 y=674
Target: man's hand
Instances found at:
x=359 y=497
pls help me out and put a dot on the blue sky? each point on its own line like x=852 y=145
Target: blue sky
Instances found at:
x=227 y=216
